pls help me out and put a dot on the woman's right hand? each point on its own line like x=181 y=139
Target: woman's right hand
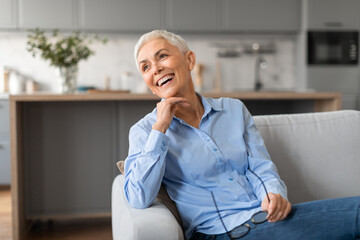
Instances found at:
x=165 y=112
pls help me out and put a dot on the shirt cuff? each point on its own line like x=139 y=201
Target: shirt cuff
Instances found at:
x=157 y=142
x=275 y=190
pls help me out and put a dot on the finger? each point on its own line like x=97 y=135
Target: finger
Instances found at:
x=175 y=100
x=283 y=210
x=287 y=210
x=168 y=105
x=265 y=205
x=277 y=207
x=273 y=204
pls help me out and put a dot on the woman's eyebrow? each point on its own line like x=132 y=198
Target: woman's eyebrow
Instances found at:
x=158 y=52
x=155 y=55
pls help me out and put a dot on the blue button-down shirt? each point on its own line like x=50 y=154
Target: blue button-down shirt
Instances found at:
x=191 y=162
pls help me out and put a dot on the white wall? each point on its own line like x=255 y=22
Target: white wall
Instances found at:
x=116 y=57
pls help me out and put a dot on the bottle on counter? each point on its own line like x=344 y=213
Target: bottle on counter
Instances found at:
x=31 y=86
x=5 y=83
x=16 y=82
x=126 y=81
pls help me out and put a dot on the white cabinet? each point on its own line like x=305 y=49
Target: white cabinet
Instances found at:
x=344 y=79
x=192 y=15
x=7 y=14
x=261 y=15
x=333 y=14
x=5 y=170
x=121 y=15
x=48 y=14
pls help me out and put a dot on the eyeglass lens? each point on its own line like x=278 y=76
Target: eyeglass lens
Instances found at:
x=259 y=217
x=242 y=230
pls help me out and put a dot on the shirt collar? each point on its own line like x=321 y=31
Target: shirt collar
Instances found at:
x=209 y=105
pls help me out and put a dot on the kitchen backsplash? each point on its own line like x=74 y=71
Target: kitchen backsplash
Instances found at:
x=223 y=57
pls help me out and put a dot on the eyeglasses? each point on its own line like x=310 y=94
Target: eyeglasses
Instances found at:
x=244 y=229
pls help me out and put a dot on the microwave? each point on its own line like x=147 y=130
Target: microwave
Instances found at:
x=333 y=47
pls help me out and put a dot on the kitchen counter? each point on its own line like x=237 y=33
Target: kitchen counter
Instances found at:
x=64 y=147
x=324 y=101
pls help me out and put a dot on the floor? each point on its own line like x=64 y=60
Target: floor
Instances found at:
x=5 y=214
x=81 y=229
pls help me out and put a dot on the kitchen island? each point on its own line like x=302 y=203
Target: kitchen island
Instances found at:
x=64 y=147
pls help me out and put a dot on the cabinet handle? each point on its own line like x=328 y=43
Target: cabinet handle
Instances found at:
x=333 y=24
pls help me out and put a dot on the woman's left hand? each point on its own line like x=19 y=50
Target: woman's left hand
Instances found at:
x=278 y=209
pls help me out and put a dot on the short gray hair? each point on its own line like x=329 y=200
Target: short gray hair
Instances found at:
x=172 y=38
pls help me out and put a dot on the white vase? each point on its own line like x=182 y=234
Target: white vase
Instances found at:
x=67 y=78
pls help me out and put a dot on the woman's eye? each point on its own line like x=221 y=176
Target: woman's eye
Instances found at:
x=162 y=55
x=145 y=67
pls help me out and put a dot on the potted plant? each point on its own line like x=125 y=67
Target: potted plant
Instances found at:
x=63 y=52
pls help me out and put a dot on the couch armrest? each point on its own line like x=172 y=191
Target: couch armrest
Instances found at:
x=128 y=223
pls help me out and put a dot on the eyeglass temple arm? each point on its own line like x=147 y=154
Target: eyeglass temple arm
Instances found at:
x=217 y=209
x=267 y=194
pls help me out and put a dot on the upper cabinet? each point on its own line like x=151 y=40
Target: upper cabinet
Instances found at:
x=7 y=14
x=47 y=14
x=217 y=16
x=192 y=15
x=261 y=15
x=324 y=14
x=121 y=15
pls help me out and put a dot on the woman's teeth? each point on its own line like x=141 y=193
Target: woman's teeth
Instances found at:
x=165 y=80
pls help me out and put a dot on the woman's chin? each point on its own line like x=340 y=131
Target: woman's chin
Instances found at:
x=167 y=93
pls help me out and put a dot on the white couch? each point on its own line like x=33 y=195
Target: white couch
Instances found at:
x=317 y=155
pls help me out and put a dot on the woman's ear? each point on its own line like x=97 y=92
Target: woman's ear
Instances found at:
x=191 y=59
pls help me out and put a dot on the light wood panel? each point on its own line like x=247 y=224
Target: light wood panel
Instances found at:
x=323 y=96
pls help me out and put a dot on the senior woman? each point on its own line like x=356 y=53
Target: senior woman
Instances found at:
x=213 y=161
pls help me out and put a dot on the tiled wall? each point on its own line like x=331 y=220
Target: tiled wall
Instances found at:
x=116 y=57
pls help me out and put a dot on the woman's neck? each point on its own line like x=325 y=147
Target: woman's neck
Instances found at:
x=191 y=115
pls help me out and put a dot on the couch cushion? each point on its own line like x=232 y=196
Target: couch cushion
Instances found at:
x=317 y=154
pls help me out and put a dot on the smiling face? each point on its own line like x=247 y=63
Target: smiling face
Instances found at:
x=166 y=71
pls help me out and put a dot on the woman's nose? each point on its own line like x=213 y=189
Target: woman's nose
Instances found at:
x=157 y=69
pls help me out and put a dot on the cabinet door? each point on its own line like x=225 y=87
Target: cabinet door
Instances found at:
x=47 y=14
x=4 y=117
x=121 y=15
x=261 y=15
x=7 y=11
x=338 y=79
x=333 y=14
x=5 y=169
x=192 y=15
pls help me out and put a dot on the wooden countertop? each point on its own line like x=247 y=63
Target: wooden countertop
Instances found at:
x=262 y=95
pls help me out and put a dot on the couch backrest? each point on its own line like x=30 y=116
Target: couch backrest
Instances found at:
x=317 y=154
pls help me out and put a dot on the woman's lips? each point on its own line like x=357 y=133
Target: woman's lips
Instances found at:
x=164 y=80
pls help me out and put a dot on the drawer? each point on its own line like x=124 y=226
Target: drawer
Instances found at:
x=4 y=117
x=5 y=168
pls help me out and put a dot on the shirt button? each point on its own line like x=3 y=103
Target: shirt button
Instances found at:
x=230 y=179
x=215 y=149
x=163 y=148
x=207 y=139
